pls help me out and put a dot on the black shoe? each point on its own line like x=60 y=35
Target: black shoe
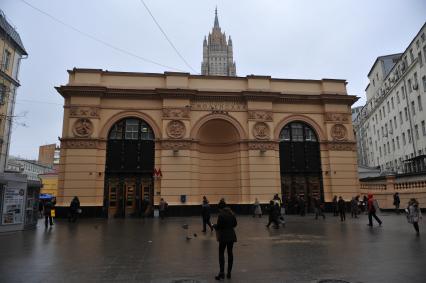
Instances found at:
x=220 y=276
x=228 y=275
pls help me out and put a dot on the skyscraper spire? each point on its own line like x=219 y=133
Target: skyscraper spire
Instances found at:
x=216 y=20
x=217 y=53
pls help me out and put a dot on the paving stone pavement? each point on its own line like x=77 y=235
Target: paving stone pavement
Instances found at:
x=154 y=250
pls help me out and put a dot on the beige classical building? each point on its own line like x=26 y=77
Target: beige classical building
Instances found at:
x=133 y=136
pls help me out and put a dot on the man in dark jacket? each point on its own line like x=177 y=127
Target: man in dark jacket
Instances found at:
x=274 y=213
x=396 y=202
x=48 y=207
x=205 y=214
x=318 y=208
x=74 y=207
x=226 y=222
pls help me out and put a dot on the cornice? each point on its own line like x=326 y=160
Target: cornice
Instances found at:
x=161 y=93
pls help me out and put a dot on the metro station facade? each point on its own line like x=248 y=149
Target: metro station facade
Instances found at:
x=133 y=136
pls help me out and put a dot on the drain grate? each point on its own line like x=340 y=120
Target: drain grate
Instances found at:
x=332 y=281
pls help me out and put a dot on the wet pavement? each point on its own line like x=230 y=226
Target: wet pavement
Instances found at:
x=153 y=250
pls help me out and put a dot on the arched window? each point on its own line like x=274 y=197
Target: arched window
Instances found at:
x=298 y=132
x=131 y=129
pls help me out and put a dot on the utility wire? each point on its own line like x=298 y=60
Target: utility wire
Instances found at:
x=97 y=39
x=167 y=38
x=25 y=101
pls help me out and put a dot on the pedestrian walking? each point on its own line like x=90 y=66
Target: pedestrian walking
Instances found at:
x=396 y=202
x=334 y=206
x=273 y=212
x=414 y=214
x=40 y=208
x=354 y=207
x=365 y=204
x=74 y=209
x=163 y=208
x=318 y=207
x=341 y=206
x=205 y=214
x=221 y=204
x=225 y=234
x=372 y=208
x=48 y=207
x=302 y=208
x=257 y=210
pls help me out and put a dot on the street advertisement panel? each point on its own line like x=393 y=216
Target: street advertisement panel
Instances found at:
x=13 y=206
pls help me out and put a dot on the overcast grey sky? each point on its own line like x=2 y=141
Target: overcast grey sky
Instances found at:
x=303 y=39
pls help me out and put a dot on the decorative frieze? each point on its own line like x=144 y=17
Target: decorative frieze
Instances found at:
x=261 y=131
x=339 y=132
x=82 y=128
x=257 y=145
x=176 y=113
x=337 y=117
x=176 y=129
x=219 y=105
x=82 y=143
x=342 y=146
x=175 y=145
x=257 y=115
x=84 y=111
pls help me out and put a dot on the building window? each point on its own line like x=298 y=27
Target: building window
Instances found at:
x=406 y=113
x=388 y=148
x=6 y=59
x=393 y=144
x=384 y=114
x=416 y=82
x=416 y=128
x=410 y=88
x=403 y=92
x=409 y=136
x=374 y=84
x=2 y=93
x=388 y=106
x=390 y=125
x=413 y=108
x=394 y=122
x=420 y=58
x=411 y=56
x=423 y=128
x=397 y=142
x=384 y=149
x=424 y=83
x=419 y=102
x=380 y=150
x=380 y=112
x=397 y=96
x=376 y=144
x=393 y=105
x=404 y=141
x=400 y=118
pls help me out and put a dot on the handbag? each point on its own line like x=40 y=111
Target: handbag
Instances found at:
x=52 y=213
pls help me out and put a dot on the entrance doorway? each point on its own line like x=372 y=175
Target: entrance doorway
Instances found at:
x=129 y=168
x=300 y=165
x=219 y=161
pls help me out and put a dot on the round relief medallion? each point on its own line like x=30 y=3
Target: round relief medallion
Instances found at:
x=83 y=127
x=261 y=131
x=175 y=129
x=339 y=132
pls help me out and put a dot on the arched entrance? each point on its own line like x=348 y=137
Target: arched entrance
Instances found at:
x=300 y=165
x=129 y=168
x=219 y=161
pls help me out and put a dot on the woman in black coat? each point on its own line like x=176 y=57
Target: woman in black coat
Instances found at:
x=226 y=222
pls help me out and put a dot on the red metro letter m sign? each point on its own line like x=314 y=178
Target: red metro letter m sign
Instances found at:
x=157 y=173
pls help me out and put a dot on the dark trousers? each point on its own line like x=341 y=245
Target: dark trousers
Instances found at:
x=46 y=217
x=206 y=221
x=73 y=216
x=228 y=246
x=370 y=218
x=274 y=220
x=342 y=215
x=397 y=208
x=162 y=214
x=318 y=212
x=416 y=226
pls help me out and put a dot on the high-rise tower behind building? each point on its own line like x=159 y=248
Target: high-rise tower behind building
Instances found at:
x=217 y=53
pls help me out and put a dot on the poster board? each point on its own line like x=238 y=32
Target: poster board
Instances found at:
x=13 y=205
